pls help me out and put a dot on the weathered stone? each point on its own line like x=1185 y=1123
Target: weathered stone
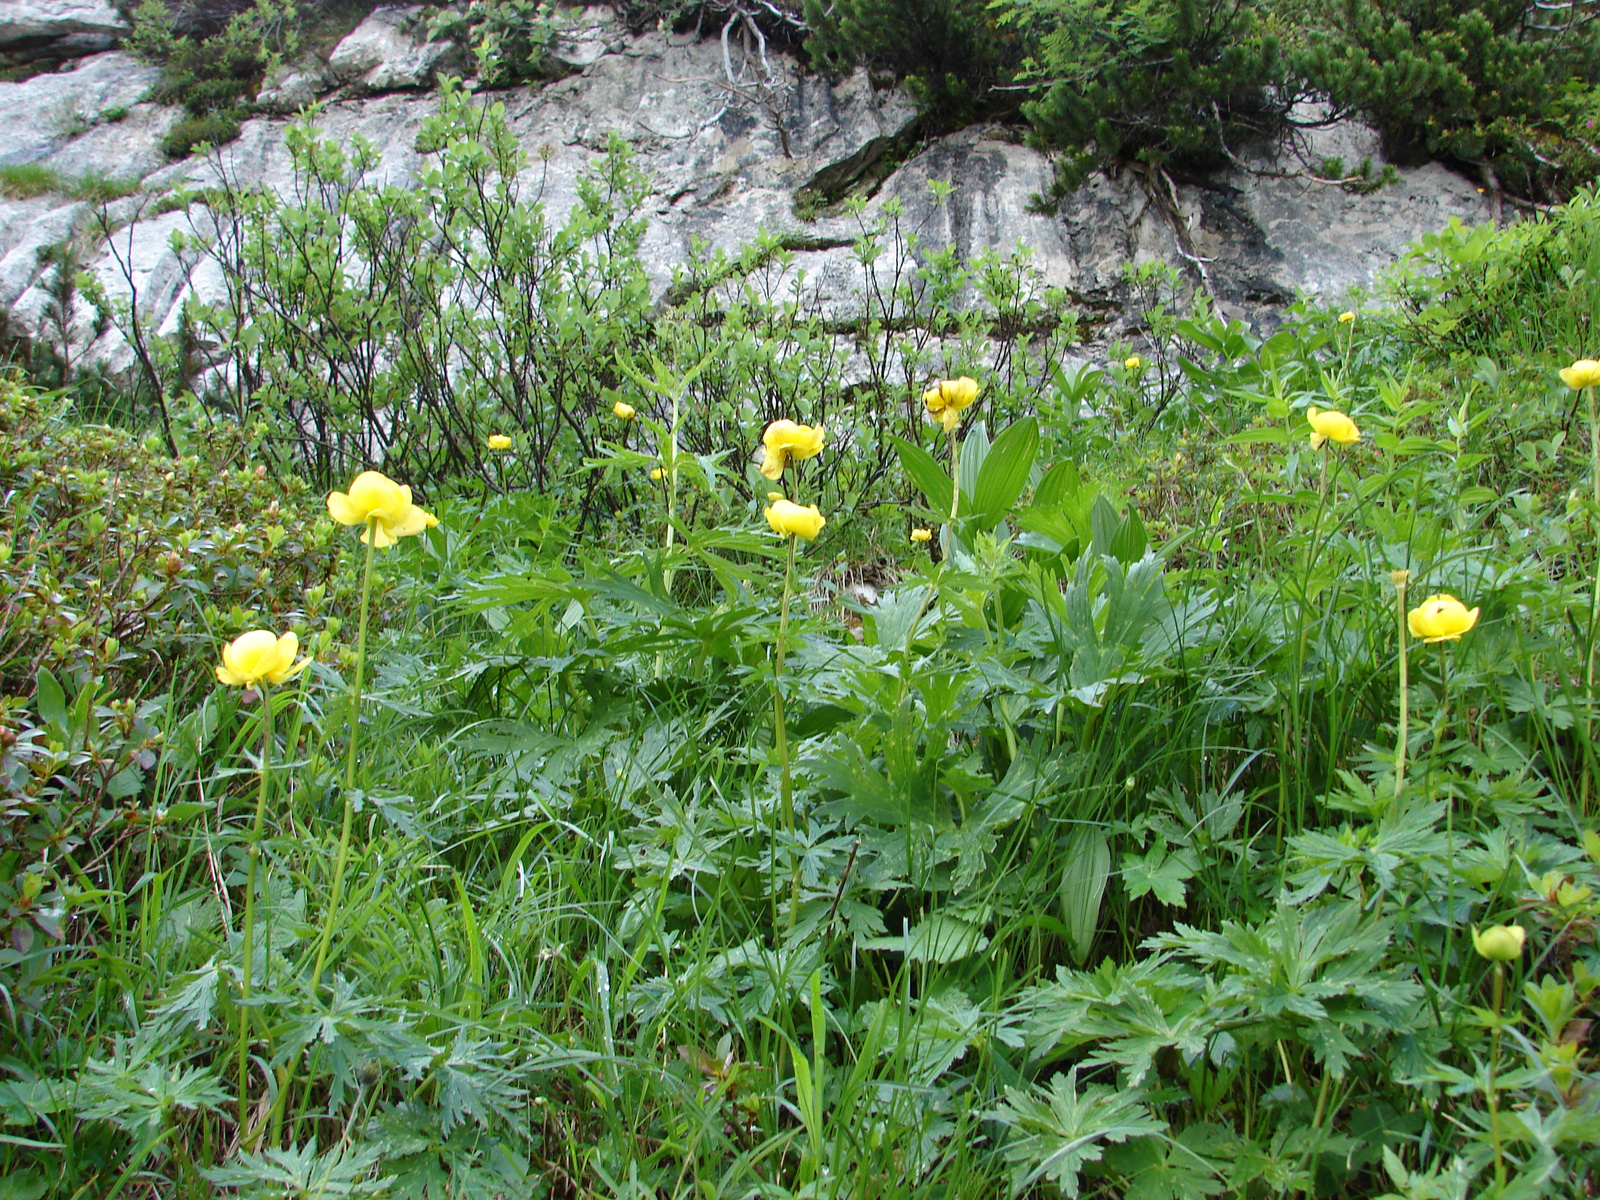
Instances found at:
x=389 y=51
x=728 y=144
x=93 y=23
x=42 y=114
x=287 y=90
x=583 y=36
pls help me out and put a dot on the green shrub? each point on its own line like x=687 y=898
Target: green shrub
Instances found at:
x=1470 y=80
x=508 y=38
x=1182 y=80
x=946 y=50
x=124 y=570
x=211 y=129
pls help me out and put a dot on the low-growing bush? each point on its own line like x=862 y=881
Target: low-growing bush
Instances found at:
x=123 y=567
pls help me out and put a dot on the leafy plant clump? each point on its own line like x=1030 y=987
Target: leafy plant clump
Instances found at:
x=212 y=71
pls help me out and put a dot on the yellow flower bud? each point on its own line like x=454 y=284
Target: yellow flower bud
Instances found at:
x=260 y=654
x=381 y=505
x=1133 y=362
x=1441 y=618
x=499 y=441
x=784 y=442
x=1346 y=317
x=1499 y=943
x=791 y=520
x=1328 y=425
x=1581 y=374
x=625 y=411
x=922 y=535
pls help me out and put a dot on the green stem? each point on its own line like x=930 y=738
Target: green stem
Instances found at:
x=252 y=855
x=1594 y=607
x=955 y=481
x=1494 y=1066
x=1405 y=685
x=780 y=726
x=343 y=855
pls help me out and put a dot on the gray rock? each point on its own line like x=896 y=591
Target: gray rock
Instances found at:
x=727 y=158
x=43 y=21
x=583 y=36
x=389 y=51
x=42 y=114
x=288 y=90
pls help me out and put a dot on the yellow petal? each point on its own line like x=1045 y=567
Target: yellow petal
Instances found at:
x=772 y=463
x=342 y=510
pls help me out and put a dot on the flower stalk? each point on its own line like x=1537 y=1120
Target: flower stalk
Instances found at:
x=253 y=855
x=1401 y=579
x=342 y=855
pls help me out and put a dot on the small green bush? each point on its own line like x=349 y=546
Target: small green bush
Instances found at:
x=124 y=569
x=212 y=129
x=1182 y=80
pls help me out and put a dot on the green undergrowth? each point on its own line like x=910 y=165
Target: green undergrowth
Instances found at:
x=1128 y=840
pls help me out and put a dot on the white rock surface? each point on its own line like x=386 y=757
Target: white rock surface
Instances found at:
x=31 y=20
x=389 y=51
x=726 y=163
x=41 y=115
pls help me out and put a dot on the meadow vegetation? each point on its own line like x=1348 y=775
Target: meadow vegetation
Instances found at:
x=1200 y=803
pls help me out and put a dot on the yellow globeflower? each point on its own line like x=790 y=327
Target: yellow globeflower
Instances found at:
x=625 y=411
x=785 y=442
x=1500 y=943
x=1133 y=362
x=657 y=473
x=1330 y=426
x=922 y=535
x=499 y=441
x=1581 y=374
x=1346 y=317
x=791 y=520
x=260 y=654
x=1441 y=618
x=382 y=506
x=947 y=398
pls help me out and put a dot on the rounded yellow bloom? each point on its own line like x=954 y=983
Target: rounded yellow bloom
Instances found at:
x=1581 y=374
x=499 y=441
x=1133 y=362
x=785 y=442
x=260 y=654
x=658 y=473
x=947 y=398
x=1441 y=618
x=922 y=535
x=774 y=495
x=625 y=411
x=381 y=505
x=1346 y=317
x=1500 y=943
x=791 y=520
x=1330 y=426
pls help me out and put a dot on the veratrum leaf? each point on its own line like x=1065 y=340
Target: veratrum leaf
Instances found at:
x=1005 y=471
x=927 y=474
x=1083 y=885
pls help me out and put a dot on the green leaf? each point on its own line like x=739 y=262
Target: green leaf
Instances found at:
x=927 y=474
x=1005 y=471
x=1083 y=884
x=51 y=702
x=1155 y=873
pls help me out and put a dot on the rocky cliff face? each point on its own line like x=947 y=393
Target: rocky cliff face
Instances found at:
x=730 y=143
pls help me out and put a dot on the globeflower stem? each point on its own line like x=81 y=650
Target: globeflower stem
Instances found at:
x=1594 y=605
x=780 y=726
x=1405 y=685
x=252 y=855
x=343 y=854
x=955 y=481
x=1491 y=1093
